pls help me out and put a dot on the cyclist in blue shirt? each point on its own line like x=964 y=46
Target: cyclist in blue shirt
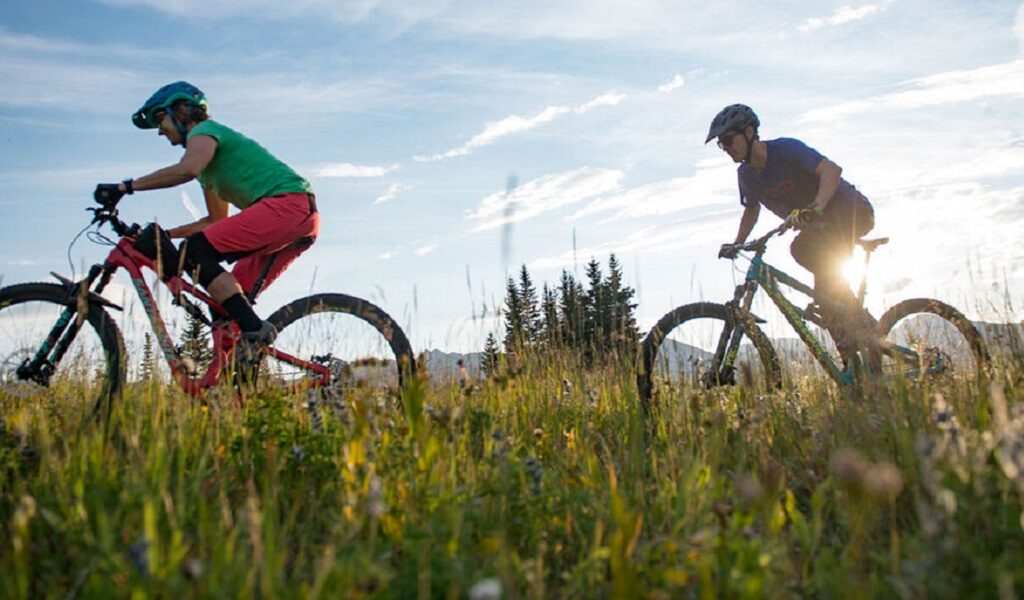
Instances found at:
x=798 y=184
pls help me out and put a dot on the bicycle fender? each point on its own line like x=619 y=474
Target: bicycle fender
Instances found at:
x=72 y=288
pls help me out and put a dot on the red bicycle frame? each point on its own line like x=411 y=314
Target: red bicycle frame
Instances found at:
x=225 y=333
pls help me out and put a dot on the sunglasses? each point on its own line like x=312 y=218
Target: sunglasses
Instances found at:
x=726 y=140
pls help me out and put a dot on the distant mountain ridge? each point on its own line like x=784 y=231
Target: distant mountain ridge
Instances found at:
x=679 y=357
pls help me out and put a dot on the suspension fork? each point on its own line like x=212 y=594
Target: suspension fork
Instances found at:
x=724 y=361
x=64 y=331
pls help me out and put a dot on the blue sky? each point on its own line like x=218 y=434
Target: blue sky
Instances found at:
x=411 y=118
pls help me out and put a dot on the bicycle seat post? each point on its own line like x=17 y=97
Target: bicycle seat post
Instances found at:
x=869 y=247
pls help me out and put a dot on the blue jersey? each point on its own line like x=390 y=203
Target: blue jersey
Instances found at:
x=788 y=180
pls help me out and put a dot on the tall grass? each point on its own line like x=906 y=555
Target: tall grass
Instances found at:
x=548 y=482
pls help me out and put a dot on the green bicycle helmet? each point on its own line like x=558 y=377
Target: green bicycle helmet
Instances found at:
x=734 y=117
x=163 y=98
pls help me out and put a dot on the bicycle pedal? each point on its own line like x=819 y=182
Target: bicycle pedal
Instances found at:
x=813 y=314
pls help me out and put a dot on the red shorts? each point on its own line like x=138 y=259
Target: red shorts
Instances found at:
x=261 y=229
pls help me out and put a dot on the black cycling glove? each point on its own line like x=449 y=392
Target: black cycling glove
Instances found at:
x=729 y=251
x=108 y=194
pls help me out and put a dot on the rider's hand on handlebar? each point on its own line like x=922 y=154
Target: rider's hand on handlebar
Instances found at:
x=108 y=194
x=802 y=217
x=729 y=251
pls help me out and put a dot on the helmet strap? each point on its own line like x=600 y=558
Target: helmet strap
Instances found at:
x=750 y=146
x=182 y=131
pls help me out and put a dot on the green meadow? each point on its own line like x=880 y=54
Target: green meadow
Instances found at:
x=546 y=482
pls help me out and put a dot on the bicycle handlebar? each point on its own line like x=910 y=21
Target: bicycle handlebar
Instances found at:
x=107 y=213
x=761 y=243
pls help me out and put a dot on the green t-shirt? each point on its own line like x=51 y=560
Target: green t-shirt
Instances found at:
x=241 y=171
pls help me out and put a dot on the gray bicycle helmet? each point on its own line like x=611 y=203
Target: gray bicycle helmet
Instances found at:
x=735 y=117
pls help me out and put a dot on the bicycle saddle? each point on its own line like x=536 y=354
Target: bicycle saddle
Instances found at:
x=871 y=245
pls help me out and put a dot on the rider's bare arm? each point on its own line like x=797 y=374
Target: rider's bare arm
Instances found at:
x=216 y=210
x=828 y=174
x=748 y=220
x=198 y=154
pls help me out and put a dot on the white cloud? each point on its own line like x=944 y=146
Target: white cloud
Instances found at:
x=714 y=183
x=845 y=14
x=387 y=255
x=1018 y=28
x=14 y=42
x=543 y=195
x=674 y=84
x=392 y=192
x=704 y=229
x=350 y=170
x=1005 y=79
x=515 y=124
x=190 y=206
x=425 y=249
x=979 y=224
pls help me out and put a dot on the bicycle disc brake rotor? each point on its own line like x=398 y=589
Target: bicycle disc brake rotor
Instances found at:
x=10 y=384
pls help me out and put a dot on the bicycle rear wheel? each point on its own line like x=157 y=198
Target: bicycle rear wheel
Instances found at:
x=91 y=365
x=360 y=344
x=936 y=339
x=682 y=346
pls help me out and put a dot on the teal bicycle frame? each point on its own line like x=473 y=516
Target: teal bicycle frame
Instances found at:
x=762 y=275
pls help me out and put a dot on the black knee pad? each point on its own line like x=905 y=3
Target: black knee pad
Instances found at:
x=154 y=242
x=201 y=259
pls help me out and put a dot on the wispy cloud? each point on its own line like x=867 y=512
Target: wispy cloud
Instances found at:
x=1018 y=28
x=988 y=222
x=392 y=192
x=513 y=124
x=543 y=195
x=425 y=249
x=673 y=84
x=845 y=14
x=704 y=229
x=516 y=124
x=22 y=43
x=190 y=206
x=350 y=170
x=714 y=183
x=1005 y=79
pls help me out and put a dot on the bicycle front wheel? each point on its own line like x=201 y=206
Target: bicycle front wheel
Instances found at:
x=682 y=347
x=929 y=338
x=80 y=358
x=360 y=343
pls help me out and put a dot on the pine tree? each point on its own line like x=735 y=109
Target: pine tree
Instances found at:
x=531 y=311
x=491 y=359
x=551 y=328
x=596 y=310
x=147 y=368
x=515 y=329
x=573 y=314
x=624 y=332
x=195 y=343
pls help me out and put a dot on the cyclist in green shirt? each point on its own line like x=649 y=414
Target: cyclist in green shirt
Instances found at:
x=276 y=206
